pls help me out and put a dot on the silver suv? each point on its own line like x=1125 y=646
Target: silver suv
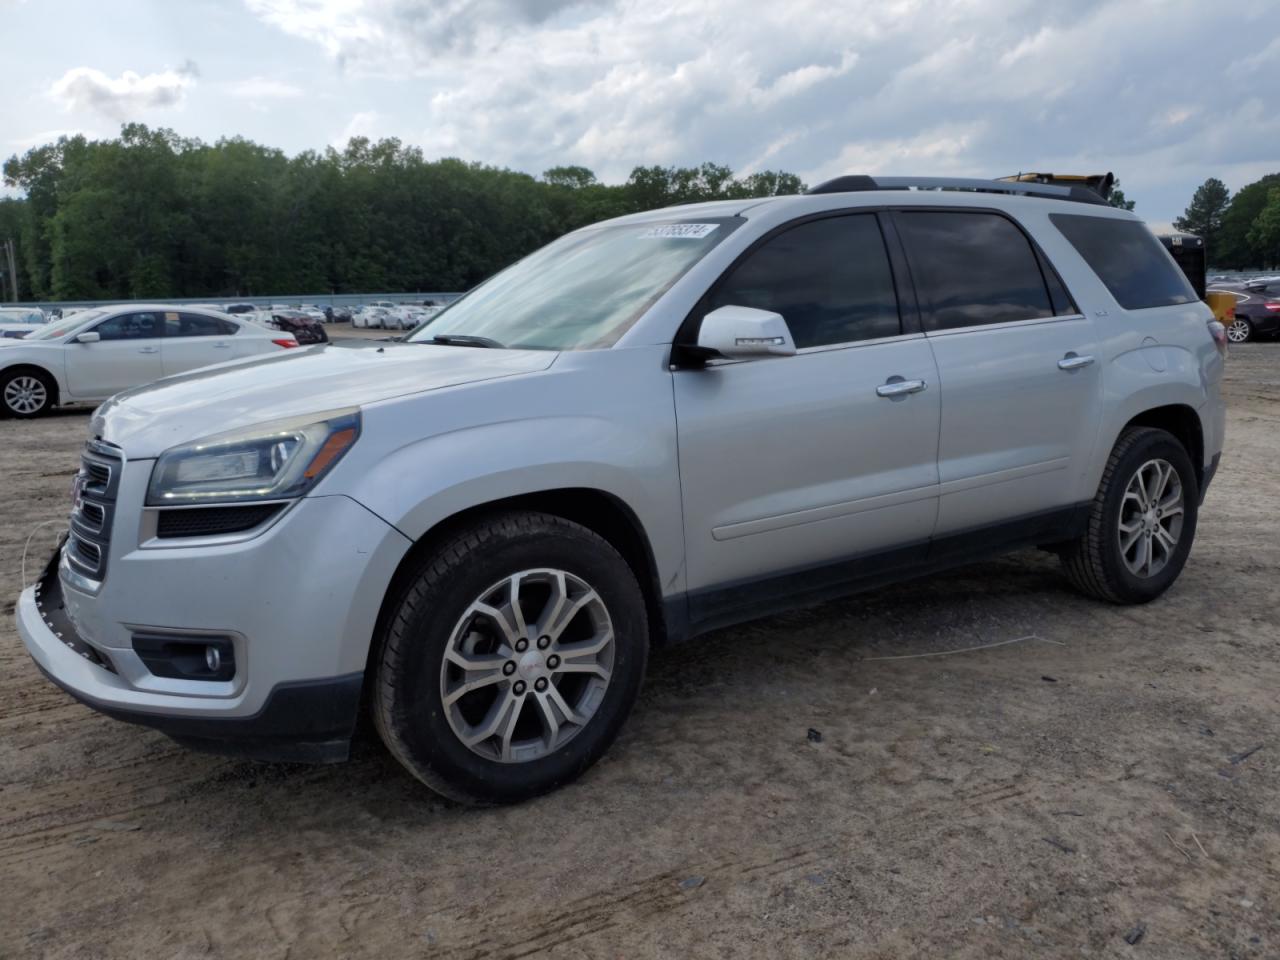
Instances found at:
x=651 y=428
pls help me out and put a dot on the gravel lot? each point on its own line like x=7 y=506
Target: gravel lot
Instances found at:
x=1034 y=799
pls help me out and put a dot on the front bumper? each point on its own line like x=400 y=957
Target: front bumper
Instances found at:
x=300 y=601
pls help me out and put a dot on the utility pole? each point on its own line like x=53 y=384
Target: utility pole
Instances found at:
x=13 y=269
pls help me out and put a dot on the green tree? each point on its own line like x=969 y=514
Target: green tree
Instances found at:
x=1117 y=198
x=155 y=215
x=1236 y=250
x=1203 y=216
x=1264 y=235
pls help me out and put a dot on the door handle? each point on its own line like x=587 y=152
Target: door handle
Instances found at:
x=897 y=387
x=222 y=346
x=1074 y=362
x=148 y=349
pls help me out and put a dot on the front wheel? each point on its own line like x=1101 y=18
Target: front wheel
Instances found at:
x=1141 y=523
x=511 y=659
x=1240 y=330
x=25 y=394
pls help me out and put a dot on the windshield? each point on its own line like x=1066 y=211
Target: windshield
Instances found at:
x=60 y=328
x=582 y=291
x=12 y=315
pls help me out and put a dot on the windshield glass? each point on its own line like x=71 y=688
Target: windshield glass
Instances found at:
x=582 y=291
x=18 y=315
x=60 y=328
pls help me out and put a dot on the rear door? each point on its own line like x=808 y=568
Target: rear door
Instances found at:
x=194 y=340
x=793 y=468
x=128 y=355
x=1018 y=374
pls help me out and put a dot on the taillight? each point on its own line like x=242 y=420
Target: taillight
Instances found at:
x=1219 y=334
x=1273 y=306
x=285 y=343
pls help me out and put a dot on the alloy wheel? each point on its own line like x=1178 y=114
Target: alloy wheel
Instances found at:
x=527 y=665
x=1151 y=515
x=1239 y=330
x=25 y=395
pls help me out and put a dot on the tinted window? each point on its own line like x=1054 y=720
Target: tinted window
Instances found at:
x=1063 y=305
x=972 y=268
x=1130 y=261
x=130 y=326
x=830 y=280
x=196 y=325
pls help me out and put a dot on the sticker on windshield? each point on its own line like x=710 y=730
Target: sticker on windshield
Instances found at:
x=680 y=231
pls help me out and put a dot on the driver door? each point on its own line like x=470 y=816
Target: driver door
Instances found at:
x=797 y=473
x=128 y=355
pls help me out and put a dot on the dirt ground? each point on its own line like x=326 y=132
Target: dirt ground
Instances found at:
x=1034 y=799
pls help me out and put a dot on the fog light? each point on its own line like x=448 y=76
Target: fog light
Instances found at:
x=212 y=658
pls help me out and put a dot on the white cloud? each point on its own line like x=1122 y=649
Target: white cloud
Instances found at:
x=45 y=136
x=125 y=96
x=366 y=123
x=263 y=88
x=964 y=87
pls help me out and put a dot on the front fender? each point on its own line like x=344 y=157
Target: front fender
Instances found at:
x=623 y=445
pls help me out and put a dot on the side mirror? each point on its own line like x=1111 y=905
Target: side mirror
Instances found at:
x=742 y=332
x=89 y=336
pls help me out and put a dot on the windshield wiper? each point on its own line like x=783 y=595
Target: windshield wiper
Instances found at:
x=465 y=340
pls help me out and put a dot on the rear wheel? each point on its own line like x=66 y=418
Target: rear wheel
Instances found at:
x=26 y=393
x=1141 y=523
x=1240 y=330
x=512 y=659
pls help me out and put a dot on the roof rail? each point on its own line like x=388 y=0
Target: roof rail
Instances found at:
x=861 y=182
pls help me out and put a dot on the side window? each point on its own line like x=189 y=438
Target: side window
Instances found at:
x=130 y=326
x=830 y=279
x=1128 y=259
x=193 y=325
x=1063 y=305
x=972 y=269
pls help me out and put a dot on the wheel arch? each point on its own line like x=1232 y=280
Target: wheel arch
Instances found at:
x=1184 y=423
x=599 y=511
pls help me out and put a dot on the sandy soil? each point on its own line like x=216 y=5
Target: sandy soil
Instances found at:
x=1035 y=799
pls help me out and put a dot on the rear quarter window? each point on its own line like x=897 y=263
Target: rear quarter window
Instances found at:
x=1128 y=259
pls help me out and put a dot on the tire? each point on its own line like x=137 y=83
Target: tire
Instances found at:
x=432 y=628
x=26 y=393
x=1096 y=562
x=1240 y=330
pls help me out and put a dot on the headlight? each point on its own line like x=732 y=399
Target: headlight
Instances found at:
x=270 y=461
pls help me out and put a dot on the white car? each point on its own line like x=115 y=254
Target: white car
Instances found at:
x=377 y=318
x=314 y=312
x=102 y=351
x=17 y=322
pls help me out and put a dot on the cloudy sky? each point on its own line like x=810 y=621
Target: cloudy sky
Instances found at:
x=1163 y=92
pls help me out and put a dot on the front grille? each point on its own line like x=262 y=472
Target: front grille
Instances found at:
x=211 y=521
x=97 y=485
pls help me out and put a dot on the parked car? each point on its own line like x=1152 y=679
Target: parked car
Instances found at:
x=305 y=327
x=653 y=427
x=314 y=312
x=1257 y=311
x=96 y=353
x=17 y=322
x=342 y=314
x=377 y=318
x=235 y=309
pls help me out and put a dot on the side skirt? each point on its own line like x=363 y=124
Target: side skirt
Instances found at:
x=724 y=605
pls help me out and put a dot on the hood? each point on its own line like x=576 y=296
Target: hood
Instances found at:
x=146 y=421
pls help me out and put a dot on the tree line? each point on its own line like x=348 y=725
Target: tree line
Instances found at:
x=151 y=215
x=1240 y=232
